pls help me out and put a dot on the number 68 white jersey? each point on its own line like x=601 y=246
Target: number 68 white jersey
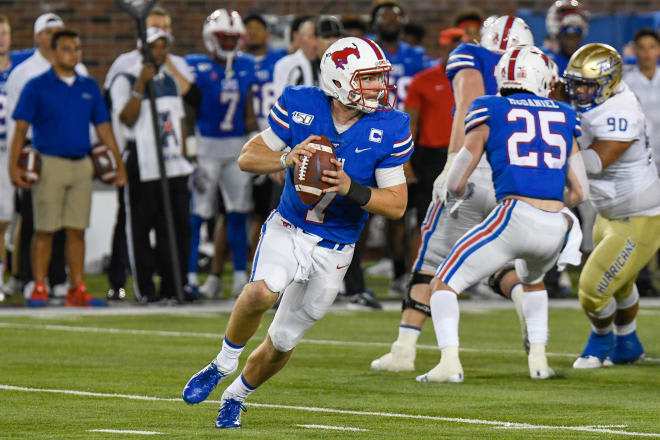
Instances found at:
x=619 y=190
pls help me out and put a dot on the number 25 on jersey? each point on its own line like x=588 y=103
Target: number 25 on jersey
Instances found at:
x=529 y=134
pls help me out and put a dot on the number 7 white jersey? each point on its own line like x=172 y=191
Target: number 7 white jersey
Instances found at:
x=619 y=190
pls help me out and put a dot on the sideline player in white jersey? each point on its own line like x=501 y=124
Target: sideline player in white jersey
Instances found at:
x=305 y=250
x=625 y=189
x=529 y=141
x=471 y=69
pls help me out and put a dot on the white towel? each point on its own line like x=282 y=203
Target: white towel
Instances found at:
x=303 y=245
x=571 y=254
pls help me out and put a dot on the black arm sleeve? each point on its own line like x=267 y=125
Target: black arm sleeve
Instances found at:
x=194 y=96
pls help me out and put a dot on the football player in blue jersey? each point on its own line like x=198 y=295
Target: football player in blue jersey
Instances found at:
x=224 y=118
x=530 y=142
x=9 y=59
x=471 y=70
x=305 y=250
x=567 y=24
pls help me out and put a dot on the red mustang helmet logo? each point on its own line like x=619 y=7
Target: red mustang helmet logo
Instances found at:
x=340 y=57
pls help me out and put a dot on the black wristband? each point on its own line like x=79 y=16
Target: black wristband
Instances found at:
x=358 y=193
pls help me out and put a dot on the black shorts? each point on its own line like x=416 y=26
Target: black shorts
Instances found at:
x=427 y=163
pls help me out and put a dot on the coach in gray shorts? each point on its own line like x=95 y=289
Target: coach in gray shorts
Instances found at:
x=60 y=105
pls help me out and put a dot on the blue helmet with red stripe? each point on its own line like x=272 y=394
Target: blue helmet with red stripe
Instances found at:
x=355 y=71
x=525 y=68
x=505 y=32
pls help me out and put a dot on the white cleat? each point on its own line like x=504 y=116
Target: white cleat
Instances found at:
x=400 y=358
x=591 y=362
x=538 y=363
x=212 y=287
x=449 y=371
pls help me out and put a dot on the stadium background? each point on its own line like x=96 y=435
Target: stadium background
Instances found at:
x=107 y=31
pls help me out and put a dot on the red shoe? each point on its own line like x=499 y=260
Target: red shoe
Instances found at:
x=39 y=295
x=80 y=297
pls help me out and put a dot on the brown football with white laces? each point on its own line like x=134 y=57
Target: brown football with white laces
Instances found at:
x=30 y=162
x=105 y=165
x=307 y=176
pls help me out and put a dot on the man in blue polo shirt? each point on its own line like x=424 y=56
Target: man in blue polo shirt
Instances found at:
x=60 y=105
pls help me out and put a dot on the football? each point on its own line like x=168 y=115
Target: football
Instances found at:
x=105 y=165
x=30 y=162
x=307 y=175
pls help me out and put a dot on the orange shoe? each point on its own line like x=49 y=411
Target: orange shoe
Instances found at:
x=39 y=295
x=80 y=297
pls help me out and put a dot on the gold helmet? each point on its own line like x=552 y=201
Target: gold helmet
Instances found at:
x=596 y=66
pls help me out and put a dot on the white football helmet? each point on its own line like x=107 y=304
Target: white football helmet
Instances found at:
x=488 y=22
x=565 y=14
x=344 y=64
x=525 y=68
x=505 y=32
x=222 y=33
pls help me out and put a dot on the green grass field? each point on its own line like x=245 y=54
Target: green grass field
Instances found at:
x=134 y=367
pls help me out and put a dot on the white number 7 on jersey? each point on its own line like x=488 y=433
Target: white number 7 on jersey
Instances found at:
x=317 y=213
x=551 y=139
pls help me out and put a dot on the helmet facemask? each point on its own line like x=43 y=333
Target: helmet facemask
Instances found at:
x=592 y=94
x=378 y=97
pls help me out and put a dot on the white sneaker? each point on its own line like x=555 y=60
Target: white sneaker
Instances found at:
x=239 y=281
x=212 y=287
x=60 y=290
x=448 y=370
x=538 y=367
x=589 y=362
x=400 y=358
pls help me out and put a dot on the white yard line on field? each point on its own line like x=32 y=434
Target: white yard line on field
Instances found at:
x=333 y=428
x=70 y=328
x=494 y=423
x=124 y=431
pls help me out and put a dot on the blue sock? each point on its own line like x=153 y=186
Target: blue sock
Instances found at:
x=195 y=225
x=237 y=238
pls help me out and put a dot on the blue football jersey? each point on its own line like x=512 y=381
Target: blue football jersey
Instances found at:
x=16 y=57
x=559 y=58
x=263 y=91
x=472 y=56
x=529 y=143
x=380 y=139
x=406 y=62
x=221 y=113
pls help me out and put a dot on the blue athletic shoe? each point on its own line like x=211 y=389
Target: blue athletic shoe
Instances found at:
x=627 y=349
x=229 y=414
x=201 y=384
x=596 y=351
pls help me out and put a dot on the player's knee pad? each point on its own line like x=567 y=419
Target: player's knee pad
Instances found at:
x=285 y=334
x=408 y=302
x=495 y=279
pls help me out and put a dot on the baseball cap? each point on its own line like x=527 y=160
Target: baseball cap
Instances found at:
x=47 y=20
x=156 y=33
x=446 y=36
x=328 y=26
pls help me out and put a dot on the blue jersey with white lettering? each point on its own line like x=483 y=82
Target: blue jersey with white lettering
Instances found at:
x=529 y=142
x=472 y=56
x=16 y=57
x=221 y=113
x=380 y=139
x=406 y=62
x=263 y=91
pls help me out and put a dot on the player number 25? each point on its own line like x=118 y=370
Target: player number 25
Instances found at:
x=531 y=159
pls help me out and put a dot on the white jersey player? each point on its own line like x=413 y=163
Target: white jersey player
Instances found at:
x=625 y=189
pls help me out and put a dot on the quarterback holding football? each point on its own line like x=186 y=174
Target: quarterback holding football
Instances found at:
x=305 y=249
